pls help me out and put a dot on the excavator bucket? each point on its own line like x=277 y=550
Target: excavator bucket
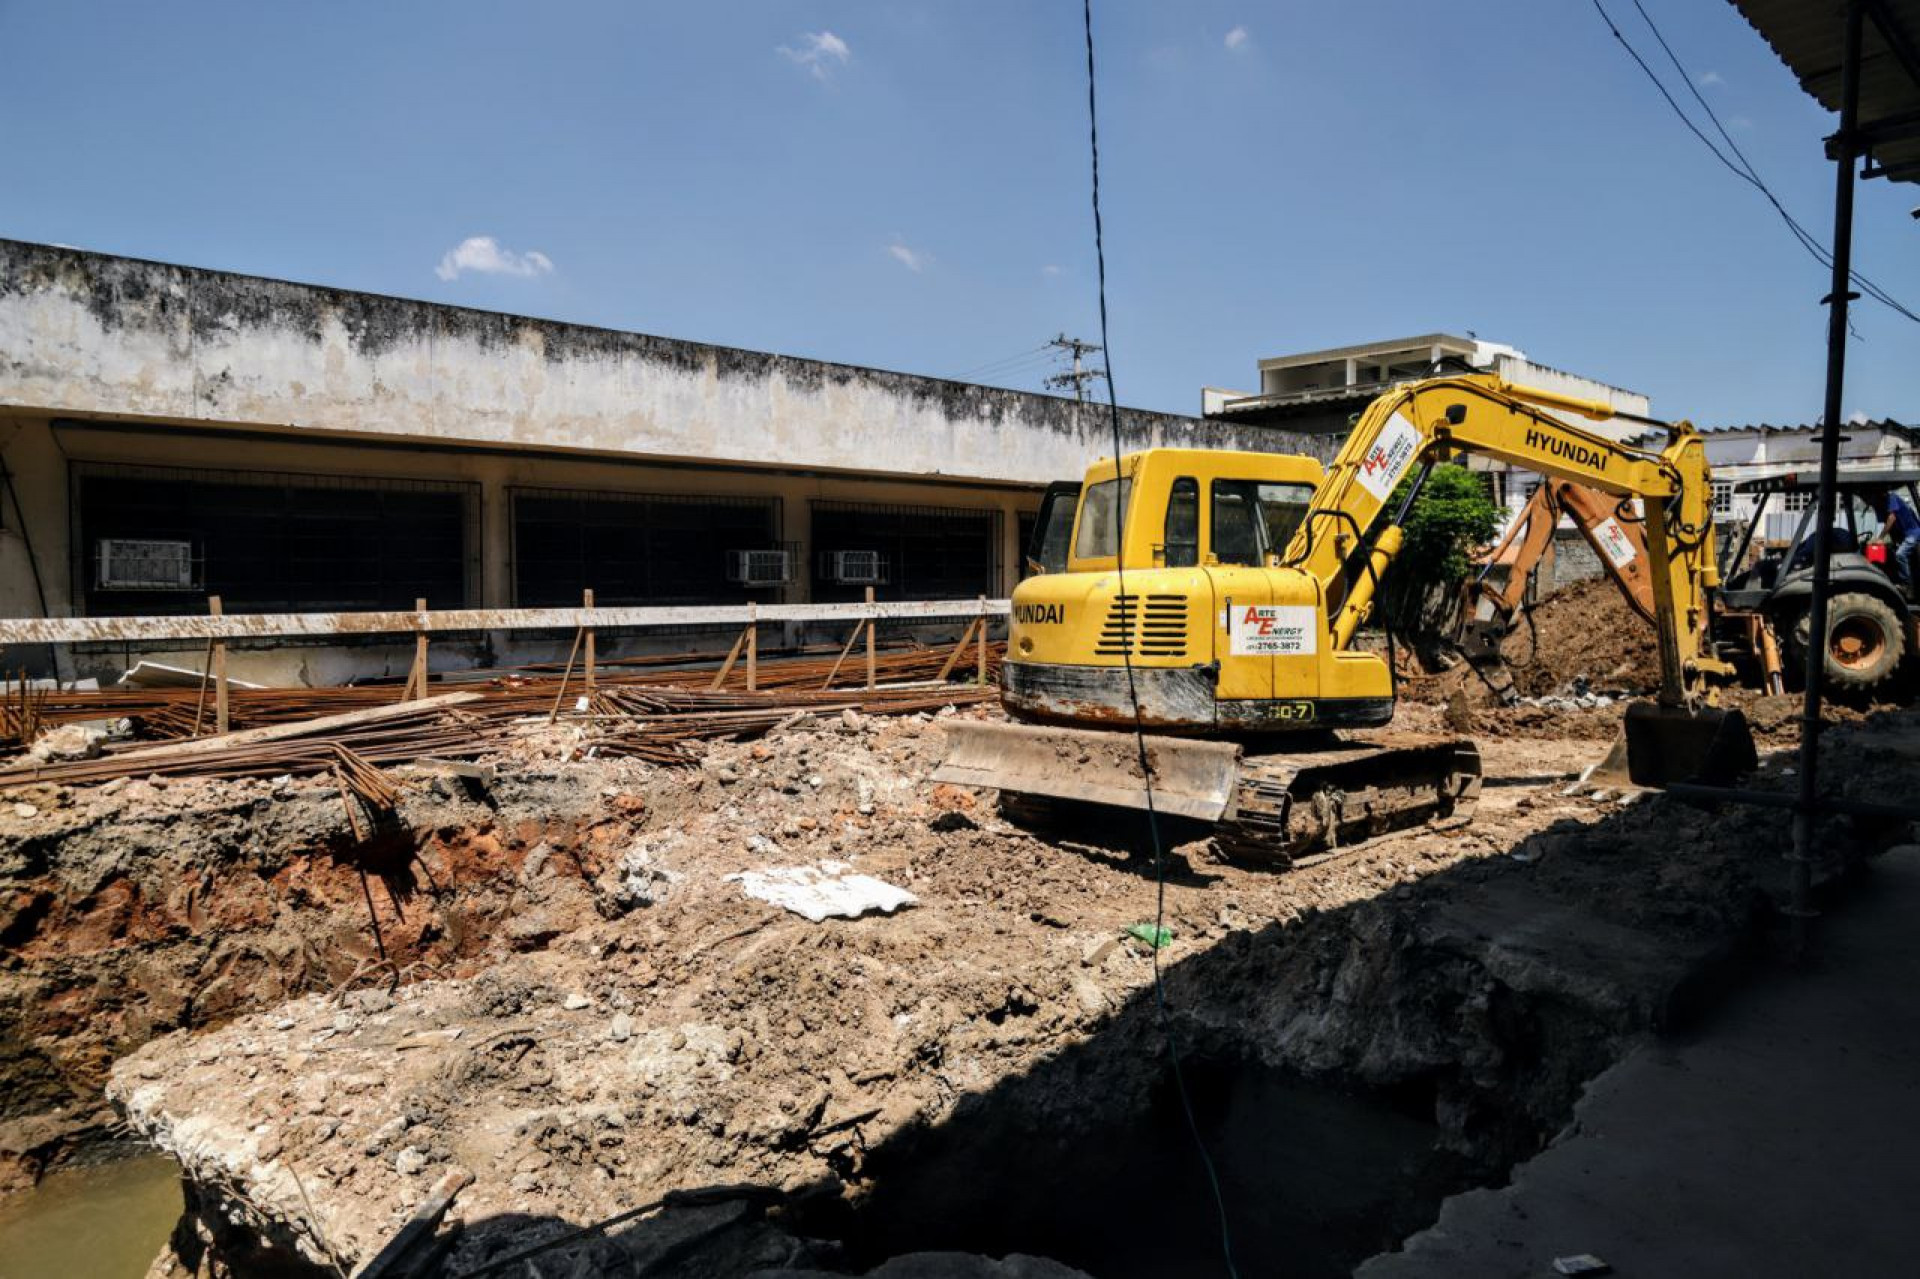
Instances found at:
x=1191 y=778
x=1663 y=744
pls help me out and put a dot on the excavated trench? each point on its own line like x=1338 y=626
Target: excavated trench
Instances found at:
x=1312 y=1180
x=131 y=911
x=986 y=1072
x=1344 y=1076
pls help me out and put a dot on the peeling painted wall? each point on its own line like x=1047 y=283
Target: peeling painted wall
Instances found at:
x=40 y=454
x=87 y=333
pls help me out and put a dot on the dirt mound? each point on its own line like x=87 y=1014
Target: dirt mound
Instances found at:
x=1586 y=632
x=1582 y=636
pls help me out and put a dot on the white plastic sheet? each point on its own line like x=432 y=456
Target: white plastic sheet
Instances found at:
x=824 y=891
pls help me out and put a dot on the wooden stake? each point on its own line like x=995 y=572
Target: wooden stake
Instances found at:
x=870 y=672
x=219 y=672
x=726 y=667
x=753 y=648
x=587 y=596
x=983 y=641
x=959 y=649
x=565 y=675
x=852 y=639
x=206 y=674
x=417 y=677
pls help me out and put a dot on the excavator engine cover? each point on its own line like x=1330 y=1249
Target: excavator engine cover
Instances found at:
x=1667 y=744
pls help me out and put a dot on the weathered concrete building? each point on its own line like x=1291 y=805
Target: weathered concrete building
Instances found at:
x=1755 y=450
x=170 y=433
x=1319 y=392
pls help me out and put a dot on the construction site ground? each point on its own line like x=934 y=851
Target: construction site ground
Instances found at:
x=1775 y=1139
x=582 y=1009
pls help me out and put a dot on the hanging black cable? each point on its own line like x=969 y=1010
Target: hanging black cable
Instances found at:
x=1133 y=694
x=1805 y=236
x=1747 y=173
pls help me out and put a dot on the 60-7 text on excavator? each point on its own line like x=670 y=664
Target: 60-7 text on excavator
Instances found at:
x=1211 y=599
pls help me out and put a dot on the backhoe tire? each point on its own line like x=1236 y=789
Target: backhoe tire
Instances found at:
x=1866 y=640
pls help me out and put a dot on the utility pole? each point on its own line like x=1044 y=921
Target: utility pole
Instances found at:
x=1079 y=377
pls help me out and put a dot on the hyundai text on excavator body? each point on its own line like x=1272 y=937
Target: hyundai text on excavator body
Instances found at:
x=1211 y=599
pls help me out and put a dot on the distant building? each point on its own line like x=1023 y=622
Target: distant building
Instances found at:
x=1320 y=393
x=1750 y=452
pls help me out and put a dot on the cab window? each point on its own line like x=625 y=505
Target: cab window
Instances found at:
x=1181 y=541
x=1254 y=520
x=1100 y=511
x=1052 y=529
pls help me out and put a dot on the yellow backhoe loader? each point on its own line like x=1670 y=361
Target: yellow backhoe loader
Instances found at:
x=1212 y=598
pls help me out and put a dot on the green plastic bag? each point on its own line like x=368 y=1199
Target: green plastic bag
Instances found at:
x=1155 y=936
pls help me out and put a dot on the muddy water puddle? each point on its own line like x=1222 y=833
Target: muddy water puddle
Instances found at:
x=105 y=1221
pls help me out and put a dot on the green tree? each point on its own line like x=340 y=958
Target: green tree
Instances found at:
x=1452 y=516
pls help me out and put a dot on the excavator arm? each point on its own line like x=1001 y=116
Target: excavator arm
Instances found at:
x=1349 y=538
x=1494 y=594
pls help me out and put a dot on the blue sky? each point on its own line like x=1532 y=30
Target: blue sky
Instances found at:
x=905 y=185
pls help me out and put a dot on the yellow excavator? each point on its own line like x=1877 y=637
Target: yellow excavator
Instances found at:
x=1211 y=599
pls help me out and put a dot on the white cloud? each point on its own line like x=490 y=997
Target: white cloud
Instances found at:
x=482 y=254
x=1739 y=122
x=1857 y=418
x=1050 y=270
x=1238 y=38
x=912 y=259
x=1710 y=78
x=819 y=52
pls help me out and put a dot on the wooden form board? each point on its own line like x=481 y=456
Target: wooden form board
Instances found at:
x=245 y=626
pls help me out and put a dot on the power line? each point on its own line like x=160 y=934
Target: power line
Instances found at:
x=1748 y=173
x=1133 y=692
x=1031 y=354
x=1752 y=174
x=1022 y=368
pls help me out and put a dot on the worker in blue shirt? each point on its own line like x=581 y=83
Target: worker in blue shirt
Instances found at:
x=1901 y=530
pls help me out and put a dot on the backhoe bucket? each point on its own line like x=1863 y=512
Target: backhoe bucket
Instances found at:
x=1191 y=778
x=1663 y=744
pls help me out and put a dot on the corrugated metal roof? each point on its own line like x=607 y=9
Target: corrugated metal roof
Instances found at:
x=1792 y=428
x=1809 y=38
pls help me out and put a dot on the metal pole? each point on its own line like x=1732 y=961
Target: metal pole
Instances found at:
x=1801 y=909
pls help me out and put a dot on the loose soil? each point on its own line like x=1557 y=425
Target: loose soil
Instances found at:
x=1584 y=632
x=682 y=1034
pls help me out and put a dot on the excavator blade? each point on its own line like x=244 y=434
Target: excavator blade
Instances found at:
x=1663 y=744
x=1191 y=778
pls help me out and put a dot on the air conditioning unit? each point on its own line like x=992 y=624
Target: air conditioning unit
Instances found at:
x=759 y=568
x=145 y=564
x=854 y=568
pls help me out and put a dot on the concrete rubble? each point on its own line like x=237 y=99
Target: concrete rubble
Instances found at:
x=586 y=1003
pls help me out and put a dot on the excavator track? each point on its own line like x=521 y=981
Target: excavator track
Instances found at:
x=1293 y=806
x=1269 y=807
